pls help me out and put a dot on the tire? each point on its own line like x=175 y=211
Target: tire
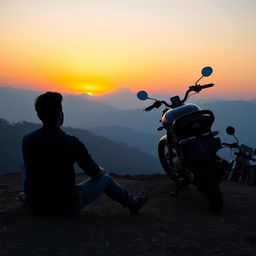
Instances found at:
x=251 y=176
x=234 y=175
x=209 y=185
x=163 y=154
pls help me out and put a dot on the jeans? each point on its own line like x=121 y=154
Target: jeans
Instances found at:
x=90 y=189
x=23 y=173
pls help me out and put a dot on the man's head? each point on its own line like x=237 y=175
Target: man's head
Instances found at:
x=49 y=109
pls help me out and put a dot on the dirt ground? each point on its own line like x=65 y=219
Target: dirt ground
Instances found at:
x=165 y=226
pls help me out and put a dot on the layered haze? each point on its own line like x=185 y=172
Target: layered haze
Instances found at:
x=132 y=126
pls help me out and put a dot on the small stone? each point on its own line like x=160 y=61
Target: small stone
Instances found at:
x=107 y=243
x=163 y=234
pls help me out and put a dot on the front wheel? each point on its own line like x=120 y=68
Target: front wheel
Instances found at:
x=167 y=159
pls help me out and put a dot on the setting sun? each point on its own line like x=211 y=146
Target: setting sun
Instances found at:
x=94 y=88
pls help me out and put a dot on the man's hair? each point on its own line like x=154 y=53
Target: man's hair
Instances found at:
x=48 y=106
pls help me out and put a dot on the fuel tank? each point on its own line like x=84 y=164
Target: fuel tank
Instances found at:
x=171 y=115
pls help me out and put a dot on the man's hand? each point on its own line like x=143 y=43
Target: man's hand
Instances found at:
x=99 y=173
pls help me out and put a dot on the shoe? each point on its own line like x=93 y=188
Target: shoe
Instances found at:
x=140 y=200
x=22 y=198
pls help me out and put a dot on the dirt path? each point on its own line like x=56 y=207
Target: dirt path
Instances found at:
x=166 y=226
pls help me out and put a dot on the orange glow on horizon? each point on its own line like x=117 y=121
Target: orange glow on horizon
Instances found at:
x=99 y=46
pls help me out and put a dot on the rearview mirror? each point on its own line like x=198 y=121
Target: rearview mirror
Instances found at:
x=230 y=130
x=206 y=71
x=142 y=95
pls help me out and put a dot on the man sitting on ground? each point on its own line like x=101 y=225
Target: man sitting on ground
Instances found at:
x=49 y=155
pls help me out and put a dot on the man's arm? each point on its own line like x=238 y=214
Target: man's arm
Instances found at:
x=100 y=173
x=85 y=161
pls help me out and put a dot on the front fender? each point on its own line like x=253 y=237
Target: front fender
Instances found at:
x=164 y=138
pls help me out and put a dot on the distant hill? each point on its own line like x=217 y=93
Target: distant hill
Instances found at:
x=125 y=99
x=81 y=112
x=121 y=99
x=113 y=156
x=17 y=105
x=143 y=141
x=240 y=114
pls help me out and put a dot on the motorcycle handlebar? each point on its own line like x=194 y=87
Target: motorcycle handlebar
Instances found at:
x=157 y=104
x=149 y=108
x=206 y=86
x=195 y=88
x=198 y=88
x=230 y=145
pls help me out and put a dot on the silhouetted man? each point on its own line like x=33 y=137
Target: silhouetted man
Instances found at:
x=49 y=156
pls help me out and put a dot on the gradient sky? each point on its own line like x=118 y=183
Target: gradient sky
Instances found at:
x=80 y=46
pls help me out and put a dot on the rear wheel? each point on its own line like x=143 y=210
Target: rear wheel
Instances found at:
x=167 y=161
x=209 y=185
x=251 y=175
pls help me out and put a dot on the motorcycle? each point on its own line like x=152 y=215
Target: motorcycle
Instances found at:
x=187 y=152
x=243 y=168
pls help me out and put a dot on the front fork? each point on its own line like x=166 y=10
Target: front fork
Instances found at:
x=181 y=167
x=233 y=170
x=238 y=171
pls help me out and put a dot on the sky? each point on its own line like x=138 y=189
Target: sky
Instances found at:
x=96 y=46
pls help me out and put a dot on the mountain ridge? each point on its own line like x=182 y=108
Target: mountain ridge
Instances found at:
x=81 y=113
x=113 y=156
